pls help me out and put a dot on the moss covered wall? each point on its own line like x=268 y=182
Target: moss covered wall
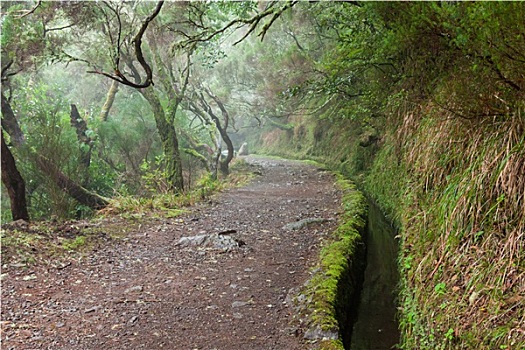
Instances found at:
x=332 y=293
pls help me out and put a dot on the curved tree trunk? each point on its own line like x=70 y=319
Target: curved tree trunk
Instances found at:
x=225 y=164
x=14 y=183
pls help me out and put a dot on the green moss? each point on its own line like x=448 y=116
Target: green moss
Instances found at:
x=340 y=259
x=76 y=243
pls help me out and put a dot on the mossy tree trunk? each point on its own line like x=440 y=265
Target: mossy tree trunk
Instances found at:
x=170 y=142
x=86 y=143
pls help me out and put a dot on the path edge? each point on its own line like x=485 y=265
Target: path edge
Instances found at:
x=329 y=296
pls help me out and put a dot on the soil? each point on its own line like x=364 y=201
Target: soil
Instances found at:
x=150 y=290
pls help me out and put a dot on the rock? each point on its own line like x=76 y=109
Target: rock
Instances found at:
x=92 y=309
x=222 y=241
x=134 y=289
x=473 y=297
x=239 y=304
x=318 y=334
x=243 y=151
x=302 y=223
x=192 y=241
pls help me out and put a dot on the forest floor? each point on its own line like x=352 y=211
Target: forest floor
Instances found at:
x=229 y=288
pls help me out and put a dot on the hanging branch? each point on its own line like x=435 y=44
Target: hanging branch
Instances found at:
x=137 y=41
x=238 y=23
x=275 y=16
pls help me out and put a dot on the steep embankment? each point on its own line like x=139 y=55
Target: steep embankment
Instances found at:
x=455 y=187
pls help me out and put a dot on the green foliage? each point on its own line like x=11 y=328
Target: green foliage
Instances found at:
x=20 y=40
x=154 y=178
x=45 y=122
x=74 y=243
x=207 y=186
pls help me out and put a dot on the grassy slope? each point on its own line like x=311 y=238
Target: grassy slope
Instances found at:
x=458 y=197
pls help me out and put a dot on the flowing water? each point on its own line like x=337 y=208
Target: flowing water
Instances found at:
x=376 y=327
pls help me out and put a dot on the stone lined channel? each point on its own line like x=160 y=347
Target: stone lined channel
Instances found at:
x=376 y=327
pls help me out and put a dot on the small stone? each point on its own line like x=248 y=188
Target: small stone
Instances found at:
x=318 y=334
x=473 y=297
x=239 y=303
x=134 y=289
x=92 y=309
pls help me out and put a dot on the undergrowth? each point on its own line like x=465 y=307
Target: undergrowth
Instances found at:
x=169 y=205
x=51 y=242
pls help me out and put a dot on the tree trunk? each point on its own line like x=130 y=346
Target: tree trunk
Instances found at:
x=14 y=183
x=85 y=152
x=170 y=143
x=110 y=98
x=10 y=124
x=225 y=164
x=199 y=150
x=83 y=196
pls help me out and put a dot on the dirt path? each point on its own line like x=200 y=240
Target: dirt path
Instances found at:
x=153 y=291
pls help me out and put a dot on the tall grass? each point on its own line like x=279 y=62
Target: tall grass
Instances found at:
x=463 y=228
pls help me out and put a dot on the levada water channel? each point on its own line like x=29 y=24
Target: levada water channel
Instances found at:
x=375 y=326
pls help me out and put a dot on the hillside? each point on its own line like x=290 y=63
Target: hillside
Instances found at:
x=444 y=156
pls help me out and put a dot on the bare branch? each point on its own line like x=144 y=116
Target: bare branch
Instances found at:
x=137 y=40
x=57 y=28
x=275 y=16
x=500 y=74
x=32 y=10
